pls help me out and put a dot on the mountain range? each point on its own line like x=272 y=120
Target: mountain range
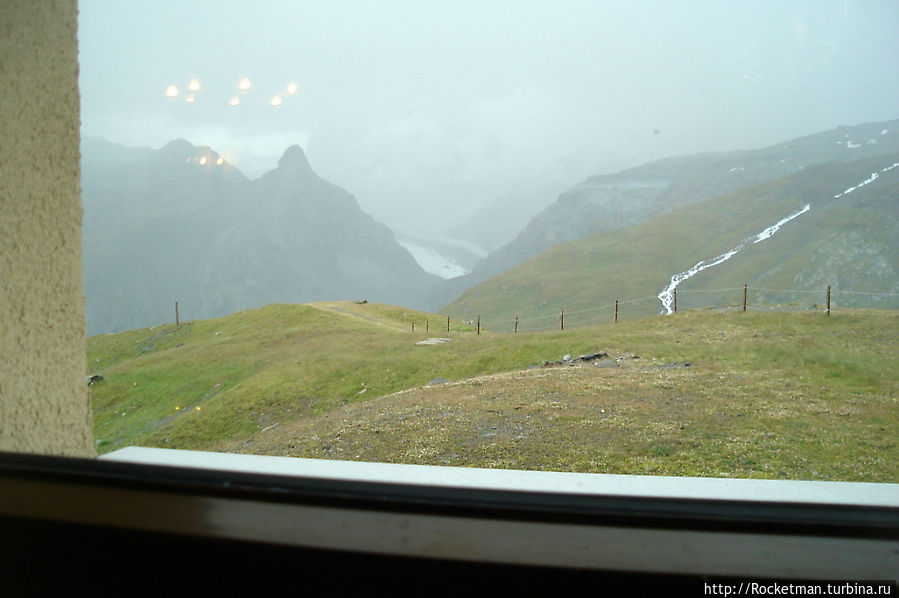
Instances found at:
x=789 y=239
x=609 y=202
x=181 y=224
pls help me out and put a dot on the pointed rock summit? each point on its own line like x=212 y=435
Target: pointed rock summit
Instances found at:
x=288 y=236
x=178 y=144
x=178 y=147
x=294 y=160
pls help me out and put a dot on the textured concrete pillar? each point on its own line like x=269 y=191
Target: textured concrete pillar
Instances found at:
x=44 y=400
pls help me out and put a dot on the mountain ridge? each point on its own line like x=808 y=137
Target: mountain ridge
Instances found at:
x=845 y=240
x=182 y=224
x=608 y=202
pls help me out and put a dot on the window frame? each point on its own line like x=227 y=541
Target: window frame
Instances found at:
x=642 y=524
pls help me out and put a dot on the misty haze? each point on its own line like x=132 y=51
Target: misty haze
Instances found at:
x=586 y=236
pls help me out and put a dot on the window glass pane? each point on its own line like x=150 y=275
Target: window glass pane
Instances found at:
x=458 y=233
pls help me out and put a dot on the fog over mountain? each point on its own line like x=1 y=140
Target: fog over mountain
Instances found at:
x=830 y=225
x=469 y=128
x=428 y=111
x=603 y=203
x=181 y=224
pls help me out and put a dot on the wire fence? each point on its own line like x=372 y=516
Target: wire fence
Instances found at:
x=745 y=298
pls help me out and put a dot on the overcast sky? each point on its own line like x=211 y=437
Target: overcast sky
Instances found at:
x=427 y=109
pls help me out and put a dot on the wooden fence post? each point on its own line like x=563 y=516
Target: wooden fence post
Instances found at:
x=479 y=325
x=427 y=326
x=675 y=300
x=828 y=300
x=516 y=324
x=616 y=311
x=744 y=297
x=177 y=321
x=447 y=323
x=562 y=320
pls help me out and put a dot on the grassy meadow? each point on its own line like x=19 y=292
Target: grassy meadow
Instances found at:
x=769 y=395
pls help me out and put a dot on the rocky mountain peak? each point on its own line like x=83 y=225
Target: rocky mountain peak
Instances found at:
x=178 y=147
x=294 y=161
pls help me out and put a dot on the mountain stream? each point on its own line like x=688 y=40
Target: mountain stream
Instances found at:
x=666 y=296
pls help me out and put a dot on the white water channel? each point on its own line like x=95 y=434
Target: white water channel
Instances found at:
x=666 y=296
x=867 y=181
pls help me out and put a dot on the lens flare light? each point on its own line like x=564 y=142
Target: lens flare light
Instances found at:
x=244 y=86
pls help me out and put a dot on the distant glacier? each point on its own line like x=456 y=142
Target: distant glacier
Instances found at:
x=434 y=262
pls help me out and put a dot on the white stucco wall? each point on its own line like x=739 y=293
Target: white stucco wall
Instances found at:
x=44 y=401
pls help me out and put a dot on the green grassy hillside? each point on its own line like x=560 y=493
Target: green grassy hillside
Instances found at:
x=198 y=383
x=780 y=394
x=847 y=242
x=608 y=202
